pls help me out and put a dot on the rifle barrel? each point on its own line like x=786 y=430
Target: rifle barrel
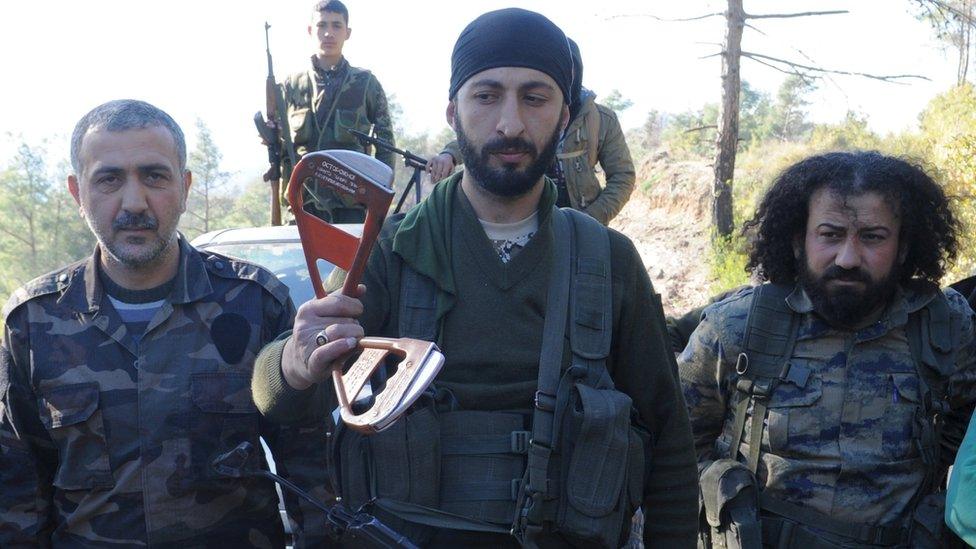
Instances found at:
x=407 y=155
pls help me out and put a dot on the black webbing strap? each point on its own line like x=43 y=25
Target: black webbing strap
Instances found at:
x=767 y=346
x=429 y=516
x=860 y=533
x=550 y=360
x=580 y=295
x=515 y=442
x=486 y=490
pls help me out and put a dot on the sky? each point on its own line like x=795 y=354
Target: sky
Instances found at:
x=205 y=59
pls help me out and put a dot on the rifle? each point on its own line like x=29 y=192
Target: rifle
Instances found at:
x=275 y=134
x=410 y=160
x=357 y=528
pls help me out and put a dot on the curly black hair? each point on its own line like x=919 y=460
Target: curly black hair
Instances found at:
x=929 y=229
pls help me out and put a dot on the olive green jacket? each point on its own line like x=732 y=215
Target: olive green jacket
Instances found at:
x=576 y=155
x=360 y=105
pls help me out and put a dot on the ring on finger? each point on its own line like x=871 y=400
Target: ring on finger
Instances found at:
x=321 y=338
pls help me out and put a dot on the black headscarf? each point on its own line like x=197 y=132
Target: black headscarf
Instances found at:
x=512 y=37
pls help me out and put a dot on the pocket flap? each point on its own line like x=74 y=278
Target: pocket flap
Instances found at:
x=227 y=393
x=787 y=394
x=68 y=404
x=721 y=482
x=347 y=118
x=599 y=461
x=907 y=387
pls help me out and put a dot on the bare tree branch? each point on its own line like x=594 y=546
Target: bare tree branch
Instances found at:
x=667 y=20
x=791 y=72
x=711 y=55
x=891 y=78
x=14 y=235
x=945 y=8
x=701 y=128
x=788 y=15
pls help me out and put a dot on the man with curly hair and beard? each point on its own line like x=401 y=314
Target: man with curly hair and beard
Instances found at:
x=828 y=402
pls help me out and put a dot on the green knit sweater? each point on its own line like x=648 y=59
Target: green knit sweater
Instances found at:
x=491 y=336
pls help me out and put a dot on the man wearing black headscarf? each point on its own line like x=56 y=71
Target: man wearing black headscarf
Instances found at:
x=593 y=136
x=500 y=456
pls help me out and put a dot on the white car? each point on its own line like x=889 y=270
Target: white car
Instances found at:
x=277 y=249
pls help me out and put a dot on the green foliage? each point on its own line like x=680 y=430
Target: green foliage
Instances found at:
x=40 y=228
x=648 y=184
x=691 y=134
x=948 y=143
x=251 y=207
x=850 y=134
x=616 y=101
x=207 y=205
x=755 y=110
x=788 y=120
x=727 y=264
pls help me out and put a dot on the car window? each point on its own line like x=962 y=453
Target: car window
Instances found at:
x=285 y=259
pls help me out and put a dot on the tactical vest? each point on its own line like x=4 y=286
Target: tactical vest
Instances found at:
x=732 y=501
x=572 y=466
x=322 y=127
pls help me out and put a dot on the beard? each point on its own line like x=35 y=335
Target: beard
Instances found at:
x=140 y=256
x=507 y=181
x=846 y=305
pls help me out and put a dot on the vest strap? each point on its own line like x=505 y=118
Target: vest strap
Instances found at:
x=860 y=533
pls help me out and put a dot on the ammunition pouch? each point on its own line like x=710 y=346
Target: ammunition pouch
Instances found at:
x=729 y=506
x=599 y=460
x=400 y=463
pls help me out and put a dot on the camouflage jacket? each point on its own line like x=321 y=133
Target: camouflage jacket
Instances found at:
x=578 y=156
x=843 y=444
x=318 y=122
x=106 y=439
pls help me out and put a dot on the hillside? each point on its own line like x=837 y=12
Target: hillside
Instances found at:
x=668 y=223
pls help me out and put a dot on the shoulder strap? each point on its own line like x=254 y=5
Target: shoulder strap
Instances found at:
x=580 y=285
x=550 y=361
x=767 y=346
x=591 y=299
x=770 y=331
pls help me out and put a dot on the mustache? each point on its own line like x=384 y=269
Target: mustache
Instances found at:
x=131 y=221
x=509 y=145
x=847 y=275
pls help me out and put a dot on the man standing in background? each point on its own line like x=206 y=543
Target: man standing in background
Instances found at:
x=331 y=98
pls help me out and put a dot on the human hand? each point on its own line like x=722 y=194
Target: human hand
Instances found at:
x=305 y=361
x=440 y=166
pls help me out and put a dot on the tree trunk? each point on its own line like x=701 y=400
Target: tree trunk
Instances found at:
x=965 y=42
x=728 y=119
